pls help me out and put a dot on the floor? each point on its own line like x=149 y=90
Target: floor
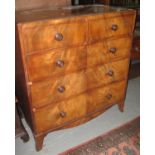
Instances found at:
x=62 y=140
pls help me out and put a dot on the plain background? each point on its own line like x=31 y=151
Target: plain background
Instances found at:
x=7 y=76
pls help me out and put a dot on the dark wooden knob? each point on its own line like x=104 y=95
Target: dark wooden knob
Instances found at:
x=114 y=27
x=61 y=89
x=58 y=36
x=63 y=114
x=110 y=73
x=109 y=96
x=60 y=63
x=113 y=50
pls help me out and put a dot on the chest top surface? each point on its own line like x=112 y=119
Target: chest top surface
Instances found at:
x=65 y=12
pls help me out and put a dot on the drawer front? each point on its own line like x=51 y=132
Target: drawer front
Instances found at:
x=66 y=60
x=56 y=115
x=55 y=90
x=56 y=62
x=108 y=50
x=54 y=36
x=110 y=27
x=106 y=96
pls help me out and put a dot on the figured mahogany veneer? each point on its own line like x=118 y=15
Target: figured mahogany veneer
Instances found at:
x=110 y=27
x=46 y=92
x=56 y=62
x=55 y=115
x=56 y=35
x=66 y=60
x=32 y=4
x=71 y=64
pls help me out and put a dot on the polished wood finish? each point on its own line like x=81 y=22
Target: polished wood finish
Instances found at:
x=32 y=4
x=100 y=52
x=39 y=141
x=114 y=26
x=71 y=64
x=135 y=52
x=32 y=18
x=45 y=65
x=56 y=62
x=55 y=115
x=75 y=83
x=54 y=36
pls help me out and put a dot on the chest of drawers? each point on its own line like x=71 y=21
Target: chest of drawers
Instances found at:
x=71 y=64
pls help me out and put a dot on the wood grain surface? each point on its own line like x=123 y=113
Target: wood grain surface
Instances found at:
x=44 y=65
x=103 y=28
x=77 y=107
x=41 y=38
x=46 y=92
x=71 y=64
x=56 y=62
x=32 y=4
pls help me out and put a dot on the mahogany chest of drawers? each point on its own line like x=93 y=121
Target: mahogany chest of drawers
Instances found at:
x=71 y=64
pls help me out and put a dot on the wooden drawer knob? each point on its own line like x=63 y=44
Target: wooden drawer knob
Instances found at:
x=113 y=50
x=114 y=27
x=60 y=63
x=61 y=89
x=58 y=37
x=109 y=96
x=63 y=114
x=110 y=73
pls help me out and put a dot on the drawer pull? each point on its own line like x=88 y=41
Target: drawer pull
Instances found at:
x=63 y=114
x=114 y=27
x=61 y=89
x=60 y=63
x=58 y=36
x=113 y=50
x=109 y=96
x=110 y=73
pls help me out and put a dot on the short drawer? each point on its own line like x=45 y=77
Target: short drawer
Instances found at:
x=110 y=27
x=59 y=114
x=108 y=50
x=56 y=62
x=54 y=36
x=104 y=97
x=57 y=89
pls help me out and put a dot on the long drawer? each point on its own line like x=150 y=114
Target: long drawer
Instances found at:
x=57 y=89
x=66 y=60
x=58 y=114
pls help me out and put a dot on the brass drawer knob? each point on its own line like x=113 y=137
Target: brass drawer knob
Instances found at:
x=113 y=50
x=60 y=63
x=58 y=37
x=110 y=73
x=61 y=89
x=114 y=27
x=63 y=114
x=109 y=96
